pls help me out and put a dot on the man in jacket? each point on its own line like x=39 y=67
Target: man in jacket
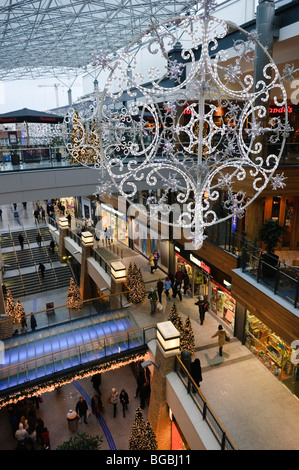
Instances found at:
x=202 y=308
x=152 y=296
x=81 y=409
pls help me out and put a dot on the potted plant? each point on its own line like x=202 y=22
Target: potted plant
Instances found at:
x=270 y=233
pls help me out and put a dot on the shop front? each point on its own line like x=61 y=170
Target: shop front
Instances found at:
x=222 y=303
x=111 y=223
x=272 y=351
x=196 y=269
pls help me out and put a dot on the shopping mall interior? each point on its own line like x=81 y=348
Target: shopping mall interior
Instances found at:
x=139 y=184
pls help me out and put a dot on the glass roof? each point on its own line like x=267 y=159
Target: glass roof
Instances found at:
x=40 y=38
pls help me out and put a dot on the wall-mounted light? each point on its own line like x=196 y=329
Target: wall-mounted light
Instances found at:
x=63 y=222
x=118 y=270
x=87 y=238
x=168 y=338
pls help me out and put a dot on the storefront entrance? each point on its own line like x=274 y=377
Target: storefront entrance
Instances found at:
x=272 y=351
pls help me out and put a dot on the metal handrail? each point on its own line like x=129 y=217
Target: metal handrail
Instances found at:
x=15 y=251
x=209 y=416
x=4 y=370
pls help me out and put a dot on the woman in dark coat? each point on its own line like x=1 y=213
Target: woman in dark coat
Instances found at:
x=196 y=372
x=124 y=399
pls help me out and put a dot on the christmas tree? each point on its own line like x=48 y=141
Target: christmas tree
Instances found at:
x=175 y=318
x=187 y=341
x=74 y=299
x=19 y=313
x=142 y=435
x=10 y=305
x=129 y=275
x=136 y=285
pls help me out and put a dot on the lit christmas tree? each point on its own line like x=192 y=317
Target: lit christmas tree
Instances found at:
x=10 y=305
x=20 y=316
x=142 y=435
x=175 y=318
x=187 y=341
x=74 y=299
x=129 y=275
x=136 y=285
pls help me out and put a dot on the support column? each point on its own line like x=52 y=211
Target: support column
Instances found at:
x=158 y=412
x=118 y=277
x=85 y=284
x=63 y=232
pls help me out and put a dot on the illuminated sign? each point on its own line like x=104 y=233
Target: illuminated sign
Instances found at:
x=274 y=110
x=234 y=220
x=200 y=264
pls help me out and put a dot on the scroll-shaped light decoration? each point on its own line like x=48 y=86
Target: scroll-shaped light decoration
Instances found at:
x=197 y=126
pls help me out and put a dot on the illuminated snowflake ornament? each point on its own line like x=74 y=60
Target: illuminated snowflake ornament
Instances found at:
x=192 y=122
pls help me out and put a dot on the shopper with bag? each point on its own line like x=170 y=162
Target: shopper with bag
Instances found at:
x=152 y=296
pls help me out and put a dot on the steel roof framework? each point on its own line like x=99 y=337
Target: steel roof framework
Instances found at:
x=40 y=38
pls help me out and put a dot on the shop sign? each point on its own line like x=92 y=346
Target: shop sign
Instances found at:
x=200 y=264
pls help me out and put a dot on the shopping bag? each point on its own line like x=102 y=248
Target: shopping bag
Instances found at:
x=159 y=306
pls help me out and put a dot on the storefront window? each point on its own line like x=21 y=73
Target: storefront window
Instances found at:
x=268 y=347
x=222 y=304
x=198 y=282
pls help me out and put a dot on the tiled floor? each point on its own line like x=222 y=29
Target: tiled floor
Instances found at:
x=257 y=410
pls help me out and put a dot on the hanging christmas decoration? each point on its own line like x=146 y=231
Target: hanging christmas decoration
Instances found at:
x=194 y=123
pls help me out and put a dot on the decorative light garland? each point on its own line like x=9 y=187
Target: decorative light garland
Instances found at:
x=51 y=385
x=198 y=127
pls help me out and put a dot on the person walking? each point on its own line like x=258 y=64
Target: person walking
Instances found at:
x=177 y=290
x=36 y=216
x=152 y=296
x=195 y=371
x=186 y=282
x=202 y=308
x=81 y=409
x=21 y=435
x=69 y=218
x=39 y=239
x=167 y=285
x=52 y=245
x=113 y=397
x=124 y=399
x=221 y=338
x=179 y=276
x=156 y=259
x=21 y=241
x=96 y=405
x=96 y=382
x=33 y=323
x=1 y=214
x=151 y=262
x=160 y=287
x=42 y=269
x=45 y=438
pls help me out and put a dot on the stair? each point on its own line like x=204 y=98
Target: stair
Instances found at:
x=28 y=259
x=33 y=283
